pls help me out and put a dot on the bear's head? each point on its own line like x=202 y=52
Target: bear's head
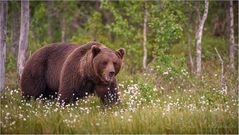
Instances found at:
x=106 y=62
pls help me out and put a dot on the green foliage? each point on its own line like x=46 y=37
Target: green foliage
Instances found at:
x=125 y=26
x=11 y=63
x=166 y=25
x=125 y=19
x=209 y=45
x=147 y=92
x=39 y=19
x=170 y=65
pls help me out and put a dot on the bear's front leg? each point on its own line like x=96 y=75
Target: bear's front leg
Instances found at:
x=108 y=94
x=67 y=88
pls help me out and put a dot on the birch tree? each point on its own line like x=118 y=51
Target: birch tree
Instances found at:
x=190 y=56
x=3 y=31
x=63 y=29
x=232 y=40
x=199 y=39
x=145 y=34
x=23 y=41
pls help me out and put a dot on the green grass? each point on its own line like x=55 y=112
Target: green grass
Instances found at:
x=205 y=111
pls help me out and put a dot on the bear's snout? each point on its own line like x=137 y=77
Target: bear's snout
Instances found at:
x=111 y=74
x=109 y=77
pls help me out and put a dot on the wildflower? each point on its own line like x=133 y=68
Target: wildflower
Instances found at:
x=13 y=123
x=129 y=120
x=20 y=116
x=7 y=114
x=116 y=114
x=165 y=73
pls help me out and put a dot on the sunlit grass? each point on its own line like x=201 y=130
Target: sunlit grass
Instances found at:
x=205 y=111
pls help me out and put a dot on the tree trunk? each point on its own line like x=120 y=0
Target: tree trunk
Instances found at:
x=190 y=56
x=3 y=32
x=232 y=40
x=222 y=79
x=23 y=42
x=49 y=19
x=190 y=53
x=145 y=35
x=199 y=40
x=63 y=29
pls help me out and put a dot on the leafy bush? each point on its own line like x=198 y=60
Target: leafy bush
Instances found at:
x=170 y=65
x=11 y=63
x=147 y=92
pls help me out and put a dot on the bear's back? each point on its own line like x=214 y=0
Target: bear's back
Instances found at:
x=58 y=54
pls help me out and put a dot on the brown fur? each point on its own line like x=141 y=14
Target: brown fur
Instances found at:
x=71 y=71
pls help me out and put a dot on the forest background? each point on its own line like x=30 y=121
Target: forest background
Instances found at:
x=181 y=64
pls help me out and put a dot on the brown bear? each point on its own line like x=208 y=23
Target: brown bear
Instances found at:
x=71 y=72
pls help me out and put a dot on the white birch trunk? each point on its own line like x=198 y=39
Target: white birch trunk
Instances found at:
x=3 y=32
x=145 y=36
x=199 y=40
x=232 y=40
x=23 y=41
x=190 y=53
x=222 y=78
x=63 y=29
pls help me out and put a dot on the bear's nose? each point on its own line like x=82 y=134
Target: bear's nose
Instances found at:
x=111 y=73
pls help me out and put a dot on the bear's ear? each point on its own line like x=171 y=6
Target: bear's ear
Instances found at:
x=120 y=52
x=95 y=50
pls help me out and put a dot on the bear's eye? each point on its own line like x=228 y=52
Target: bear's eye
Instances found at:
x=114 y=63
x=104 y=63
